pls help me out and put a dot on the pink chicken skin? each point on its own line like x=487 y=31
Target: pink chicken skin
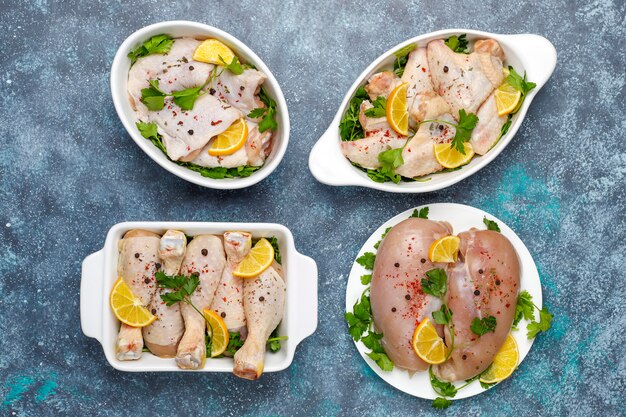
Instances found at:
x=484 y=282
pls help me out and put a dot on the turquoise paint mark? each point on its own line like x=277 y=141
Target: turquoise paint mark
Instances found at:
x=47 y=389
x=18 y=387
x=522 y=198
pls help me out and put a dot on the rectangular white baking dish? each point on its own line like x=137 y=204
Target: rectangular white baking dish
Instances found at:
x=99 y=272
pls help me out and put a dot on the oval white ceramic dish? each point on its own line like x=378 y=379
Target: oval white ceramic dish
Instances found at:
x=531 y=53
x=99 y=273
x=462 y=218
x=119 y=79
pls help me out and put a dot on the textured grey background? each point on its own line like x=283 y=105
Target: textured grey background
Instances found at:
x=68 y=171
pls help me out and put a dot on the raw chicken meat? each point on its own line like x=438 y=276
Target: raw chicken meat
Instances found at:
x=241 y=90
x=484 y=282
x=163 y=335
x=137 y=265
x=487 y=130
x=397 y=300
x=423 y=103
x=382 y=84
x=464 y=80
x=228 y=300
x=418 y=155
x=364 y=152
x=204 y=257
x=264 y=305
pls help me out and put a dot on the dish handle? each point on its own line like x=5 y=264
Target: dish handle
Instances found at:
x=91 y=295
x=326 y=161
x=306 y=296
x=538 y=56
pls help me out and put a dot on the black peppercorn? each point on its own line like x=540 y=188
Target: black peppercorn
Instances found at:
x=191 y=68
x=204 y=252
x=445 y=68
x=212 y=91
x=261 y=298
x=242 y=88
x=497 y=282
x=408 y=297
x=157 y=265
x=147 y=280
x=396 y=264
x=464 y=357
x=223 y=314
x=190 y=131
x=423 y=260
x=480 y=271
x=393 y=309
x=136 y=255
x=476 y=292
x=154 y=311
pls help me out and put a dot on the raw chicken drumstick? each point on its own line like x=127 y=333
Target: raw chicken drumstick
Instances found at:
x=137 y=266
x=163 y=335
x=204 y=258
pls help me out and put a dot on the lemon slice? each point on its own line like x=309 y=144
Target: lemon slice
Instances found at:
x=213 y=51
x=445 y=249
x=128 y=308
x=503 y=364
x=507 y=99
x=218 y=331
x=450 y=157
x=231 y=140
x=397 y=113
x=256 y=261
x=427 y=344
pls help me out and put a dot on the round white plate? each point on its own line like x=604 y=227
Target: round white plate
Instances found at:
x=462 y=218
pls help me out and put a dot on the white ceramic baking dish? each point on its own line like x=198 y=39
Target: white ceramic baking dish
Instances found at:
x=99 y=272
x=119 y=92
x=531 y=53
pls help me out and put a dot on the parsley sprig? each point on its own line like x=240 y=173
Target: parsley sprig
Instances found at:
x=235 y=66
x=458 y=43
x=520 y=84
x=150 y=132
x=402 y=57
x=421 y=213
x=181 y=288
x=448 y=389
x=525 y=309
x=268 y=113
x=159 y=44
x=154 y=98
x=483 y=326
x=491 y=225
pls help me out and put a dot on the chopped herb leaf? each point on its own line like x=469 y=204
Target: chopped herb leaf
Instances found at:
x=443 y=315
x=360 y=318
x=402 y=57
x=274 y=242
x=159 y=44
x=382 y=360
x=367 y=260
x=491 y=225
x=269 y=113
x=464 y=128
x=457 y=43
x=235 y=67
x=366 y=279
x=445 y=389
x=483 y=326
x=421 y=213
x=525 y=309
x=435 y=282
x=441 y=403
x=350 y=128
x=544 y=324
x=379 y=109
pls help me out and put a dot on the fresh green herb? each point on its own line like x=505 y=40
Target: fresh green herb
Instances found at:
x=274 y=242
x=159 y=44
x=519 y=83
x=379 y=109
x=503 y=130
x=235 y=67
x=382 y=360
x=234 y=343
x=274 y=341
x=367 y=260
x=483 y=326
x=150 y=132
x=443 y=315
x=486 y=385
x=441 y=403
x=350 y=128
x=435 y=283
x=389 y=161
x=525 y=309
x=543 y=325
x=402 y=57
x=182 y=287
x=145 y=349
x=268 y=112
x=366 y=279
x=457 y=43
x=377 y=244
x=491 y=225
x=421 y=213
x=360 y=319
x=154 y=98
x=445 y=389
x=467 y=123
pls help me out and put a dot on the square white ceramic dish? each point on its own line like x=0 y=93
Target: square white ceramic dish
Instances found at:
x=531 y=53
x=119 y=92
x=99 y=272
